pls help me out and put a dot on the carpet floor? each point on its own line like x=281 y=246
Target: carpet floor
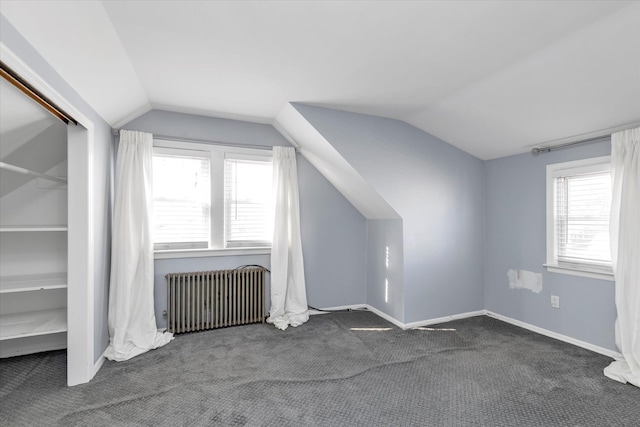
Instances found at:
x=339 y=369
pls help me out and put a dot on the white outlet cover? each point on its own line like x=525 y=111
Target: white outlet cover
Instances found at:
x=555 y=301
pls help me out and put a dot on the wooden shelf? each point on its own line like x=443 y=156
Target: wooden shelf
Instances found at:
x=34 y=323
x=17 y=228
x=32 y=282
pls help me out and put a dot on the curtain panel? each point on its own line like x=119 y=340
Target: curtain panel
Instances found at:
x=131 y=316
x=288 y=292
x=625 y=253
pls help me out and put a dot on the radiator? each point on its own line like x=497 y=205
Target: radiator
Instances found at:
x=214 y=299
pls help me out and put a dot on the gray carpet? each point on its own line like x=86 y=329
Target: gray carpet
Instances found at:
x=471 y=372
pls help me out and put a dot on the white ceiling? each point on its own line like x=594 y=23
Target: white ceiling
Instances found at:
x=490 y=77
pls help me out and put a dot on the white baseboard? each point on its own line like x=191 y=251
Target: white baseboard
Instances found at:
x=314 y=312
x=98 y=365
x=419 y=323
x=372 y=309
x=551 y=334
x=444 y=319
x=385 y=316
x=597 y=349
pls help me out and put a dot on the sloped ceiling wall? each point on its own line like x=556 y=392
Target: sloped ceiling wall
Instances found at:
x=436 y=189
x=323 y=155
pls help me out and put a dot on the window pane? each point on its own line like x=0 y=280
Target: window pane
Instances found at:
x=582 y=218
x=247 y=203
x=181 y=201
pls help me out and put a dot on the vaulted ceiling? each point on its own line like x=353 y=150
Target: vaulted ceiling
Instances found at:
x=493 y=78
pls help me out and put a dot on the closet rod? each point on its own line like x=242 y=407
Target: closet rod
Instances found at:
x=12 y=77
x=24 y=171
x=538 y=150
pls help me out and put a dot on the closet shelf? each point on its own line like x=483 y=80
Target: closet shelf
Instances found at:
x=34 y=323
x=18 y=169
x=32 y=282
x=16 y=228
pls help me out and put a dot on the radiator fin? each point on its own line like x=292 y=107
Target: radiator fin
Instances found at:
x=214 y=299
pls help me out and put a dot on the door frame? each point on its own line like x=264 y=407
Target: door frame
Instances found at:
x=81 y=363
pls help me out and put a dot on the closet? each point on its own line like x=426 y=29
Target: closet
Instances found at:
x=33 y=226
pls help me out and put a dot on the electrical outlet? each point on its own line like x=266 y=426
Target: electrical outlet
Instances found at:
x=555 y=301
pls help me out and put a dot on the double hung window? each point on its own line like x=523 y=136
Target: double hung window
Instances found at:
x=210 y=197
x=578 y=210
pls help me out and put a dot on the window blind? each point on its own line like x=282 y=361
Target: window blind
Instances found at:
x=181 y=200
x=248 y=202
x=582 y=205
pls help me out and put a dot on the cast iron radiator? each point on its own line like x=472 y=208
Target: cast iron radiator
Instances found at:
x=215 y=299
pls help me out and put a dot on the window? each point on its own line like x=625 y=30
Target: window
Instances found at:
x=247 y=187
x=210 y=197
x=578 y=209
x=181 y=199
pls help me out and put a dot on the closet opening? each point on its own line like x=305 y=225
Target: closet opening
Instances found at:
x=46 y=276
x=33 y=223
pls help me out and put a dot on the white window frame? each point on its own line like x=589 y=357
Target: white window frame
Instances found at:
x=596 y=164
x=216 y=156
x=234 y=155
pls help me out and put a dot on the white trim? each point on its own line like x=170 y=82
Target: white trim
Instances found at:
x=592 y=347
x=80 y=303
x=98 y=364
x=80 y=293
x=183 y=152
x=28 y=228
x=411 y=325
x=555 y=335
x=354 y=307
x=202 y=253
x=222 y=147
x=385 y=316
x=553 y=170
x=444 y=319
x=577 y=272
x=216 y=154
x=31 y=77
x=339 y=308
x=313 y=312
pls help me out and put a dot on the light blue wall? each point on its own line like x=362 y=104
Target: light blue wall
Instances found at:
x=334 y=242
x=207 y=128
x=385 y=262
x=333 y=231
x=437 y=189
x=101 y=186
x=515 y=237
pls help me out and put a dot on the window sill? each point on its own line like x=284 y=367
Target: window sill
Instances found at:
x=201 y=253
x=580 y=272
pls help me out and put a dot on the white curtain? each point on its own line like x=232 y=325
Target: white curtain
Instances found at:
x=288 y=293
x=132 y=322
x=625 y=253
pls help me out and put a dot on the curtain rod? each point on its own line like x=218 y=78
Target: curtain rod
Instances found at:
x=116 y=132
x=537 y=150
